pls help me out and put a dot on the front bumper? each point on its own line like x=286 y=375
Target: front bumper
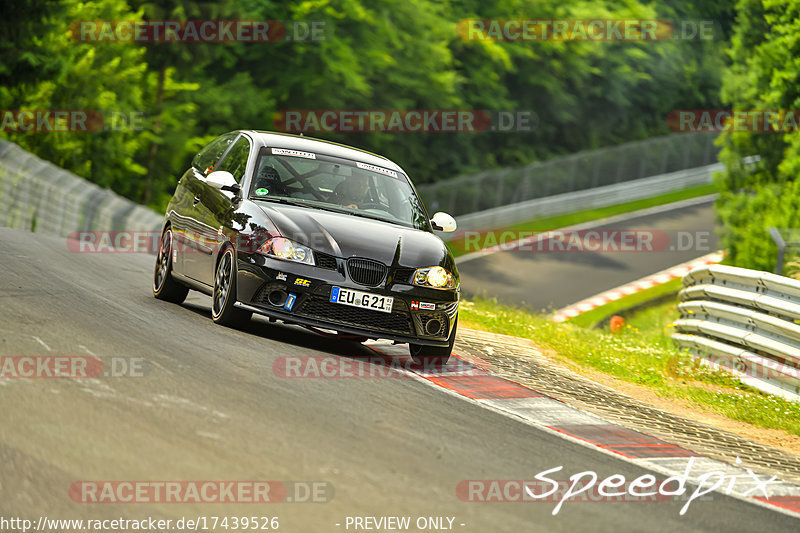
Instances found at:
x=419 y=315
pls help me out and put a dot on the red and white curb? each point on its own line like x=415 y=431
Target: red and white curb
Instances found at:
x=469 y=382
x=635 y=286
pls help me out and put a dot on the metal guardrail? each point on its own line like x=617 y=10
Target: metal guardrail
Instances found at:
x=785 y=239
x=746 y=321
x=508 y=215
x=568 y=174
x=36 y=195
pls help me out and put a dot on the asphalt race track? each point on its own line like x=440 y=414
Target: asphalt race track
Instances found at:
x=556 y=279
x=210 y=407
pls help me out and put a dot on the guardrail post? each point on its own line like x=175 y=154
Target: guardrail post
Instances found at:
x=686 y=151
x=525 y=190
x=499 y=198
x=6 y=173
x=476 y=194
x=706 y=155
x=620 y=164
x=452 y=205
x=778 y=238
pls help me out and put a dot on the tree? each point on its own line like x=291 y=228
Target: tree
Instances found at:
x=763 y=76
x=105 y=79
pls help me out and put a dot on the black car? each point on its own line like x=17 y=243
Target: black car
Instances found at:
x=313 y=233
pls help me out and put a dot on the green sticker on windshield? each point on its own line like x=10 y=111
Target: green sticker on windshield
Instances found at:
x=262 y=192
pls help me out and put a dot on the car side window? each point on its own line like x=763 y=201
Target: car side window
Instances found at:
x=236 y=160
x=205 y=160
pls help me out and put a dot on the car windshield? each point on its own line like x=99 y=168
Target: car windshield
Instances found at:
x=333 y=183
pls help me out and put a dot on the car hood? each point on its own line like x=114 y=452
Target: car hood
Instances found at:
x=347 y=236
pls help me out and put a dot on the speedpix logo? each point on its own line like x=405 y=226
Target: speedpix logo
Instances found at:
x=589 y=487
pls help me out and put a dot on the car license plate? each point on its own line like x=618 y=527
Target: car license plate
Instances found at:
x=360 y=299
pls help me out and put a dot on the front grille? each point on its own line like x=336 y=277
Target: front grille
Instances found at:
x=318 y=307
x=325 y=261
x=366 y=271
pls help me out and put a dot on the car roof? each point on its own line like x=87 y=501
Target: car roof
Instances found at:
x=319 y=146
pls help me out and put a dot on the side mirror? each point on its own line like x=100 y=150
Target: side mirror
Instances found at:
x=443 y=222
x=223 y=180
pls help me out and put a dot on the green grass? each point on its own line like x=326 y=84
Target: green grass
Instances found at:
x=643 y=354
x=592 y=317
x=458 y=247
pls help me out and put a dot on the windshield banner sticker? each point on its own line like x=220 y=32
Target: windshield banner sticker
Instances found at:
x=379 y=170
x=293 y=153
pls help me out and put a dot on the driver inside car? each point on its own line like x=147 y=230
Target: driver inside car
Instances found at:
x=354 y=191
x=268 y=178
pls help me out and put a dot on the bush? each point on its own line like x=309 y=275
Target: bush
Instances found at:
x=762 y=76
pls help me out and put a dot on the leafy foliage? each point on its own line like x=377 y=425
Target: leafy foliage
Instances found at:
x=765 y=53
x=80 y=76
x=386 y=55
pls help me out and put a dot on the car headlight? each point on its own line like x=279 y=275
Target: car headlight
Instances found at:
x=288 y=250
x=436 y=277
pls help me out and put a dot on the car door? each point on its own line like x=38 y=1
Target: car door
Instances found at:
x=191 y=223
x=182 y=204
x=218 y=206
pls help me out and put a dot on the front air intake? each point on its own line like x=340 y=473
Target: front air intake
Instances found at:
x=433 y=327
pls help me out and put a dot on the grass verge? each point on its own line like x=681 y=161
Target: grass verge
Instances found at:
x=459 y=246
x=592 y=317
x=643 y=354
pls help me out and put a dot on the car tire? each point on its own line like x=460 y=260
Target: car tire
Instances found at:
x=223 y=297
x=433 y=355
x=164 y=285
